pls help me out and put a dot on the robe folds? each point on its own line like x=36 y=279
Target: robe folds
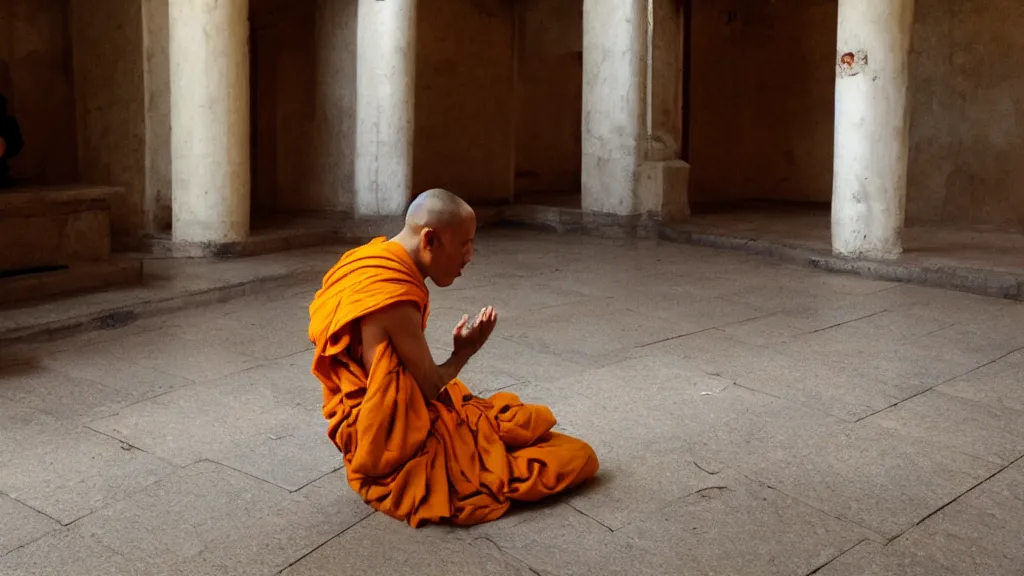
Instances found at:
x=460 y=458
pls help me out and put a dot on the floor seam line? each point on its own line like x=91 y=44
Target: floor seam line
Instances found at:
x=954 y=500
x=325 y=542
x=841 y=554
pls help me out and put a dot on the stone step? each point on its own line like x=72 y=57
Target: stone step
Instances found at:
x=54 y=226
x=71 y=279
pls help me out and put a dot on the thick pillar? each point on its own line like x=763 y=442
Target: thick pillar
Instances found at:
x=385 y=87
x=632 y=108
x=869 y=187
x=209 y=61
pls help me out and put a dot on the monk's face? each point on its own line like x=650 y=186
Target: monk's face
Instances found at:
x=449 y=251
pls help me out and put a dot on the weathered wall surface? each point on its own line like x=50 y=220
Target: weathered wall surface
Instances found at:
x=464 y=102
x=107 y=40
x=666 y=89
x=281 y=100
x=303 y=97
x=549 y=94
x=763 y=85
x=156 y=203
x=762 y=107
x=36 y=77
x=967 y=113
x=331 y=163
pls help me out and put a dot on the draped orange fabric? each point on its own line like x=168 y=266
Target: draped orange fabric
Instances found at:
x=464 y=459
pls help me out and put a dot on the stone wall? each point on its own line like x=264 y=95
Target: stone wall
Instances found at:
x=36 y=77
x=549 y=95
x=331 y=162
x=109 y=80
x=967 y=113
x=763 y=105
x=498 y=102
x=762 y=100
x=464 y=102
x=282 y=50
x=156 y=202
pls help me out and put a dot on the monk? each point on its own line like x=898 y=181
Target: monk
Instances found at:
x=417 y=444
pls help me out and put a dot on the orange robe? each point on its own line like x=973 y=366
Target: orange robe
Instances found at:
x=463 y=459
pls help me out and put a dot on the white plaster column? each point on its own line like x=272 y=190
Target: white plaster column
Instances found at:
x=209 y=61
x=872 y=123
x=614 y=49
x=632 y=108
x=385 y=91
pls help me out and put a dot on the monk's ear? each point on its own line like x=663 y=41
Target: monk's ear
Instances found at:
x=428 y=238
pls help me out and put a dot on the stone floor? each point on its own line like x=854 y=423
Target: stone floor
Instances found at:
x=751 y=417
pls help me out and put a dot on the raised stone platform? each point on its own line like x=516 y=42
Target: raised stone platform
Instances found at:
x=80 y=277
x=284 y=235
x=977 y=261
x=54 y=226
x=571 y=221
x=168 y=285
x=56 y=240
x=987 y=263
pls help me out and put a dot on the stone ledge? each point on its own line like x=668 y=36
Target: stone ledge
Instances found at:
x=55 y=226
x=295 y=236
x=167 y=286
x=576 y=221
x=983 y=282
x=76 y=278
x=978 y=281
x=24 y=196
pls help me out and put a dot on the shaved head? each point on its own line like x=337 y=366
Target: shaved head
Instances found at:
x=439 y=232
x=437 y=209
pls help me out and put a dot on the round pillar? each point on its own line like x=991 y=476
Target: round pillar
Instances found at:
x=871 y=127
x=385 y=88
x=209 y=60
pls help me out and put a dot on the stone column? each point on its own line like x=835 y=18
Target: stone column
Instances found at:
x=632 y=108
x=385 y=90
x=869 y=186
x=209 y=61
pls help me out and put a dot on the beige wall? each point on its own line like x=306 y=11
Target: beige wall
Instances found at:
x=967 y=122
x=304 y=102
x=762 y=107
x=464 y=134
x=331 y=163
x=110 y=92
x=156 y=202
x=549 y=95
x=282 y=79
x=762 y=100
x=498 y=102
x=36 y=77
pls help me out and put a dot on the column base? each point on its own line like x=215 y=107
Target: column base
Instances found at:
x=662 y=189
x=163 y=248
x=868 y=254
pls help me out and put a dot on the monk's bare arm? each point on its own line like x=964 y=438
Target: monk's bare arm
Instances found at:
x=402 y=325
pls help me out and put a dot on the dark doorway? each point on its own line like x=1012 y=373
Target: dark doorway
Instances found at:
x=549 y=99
